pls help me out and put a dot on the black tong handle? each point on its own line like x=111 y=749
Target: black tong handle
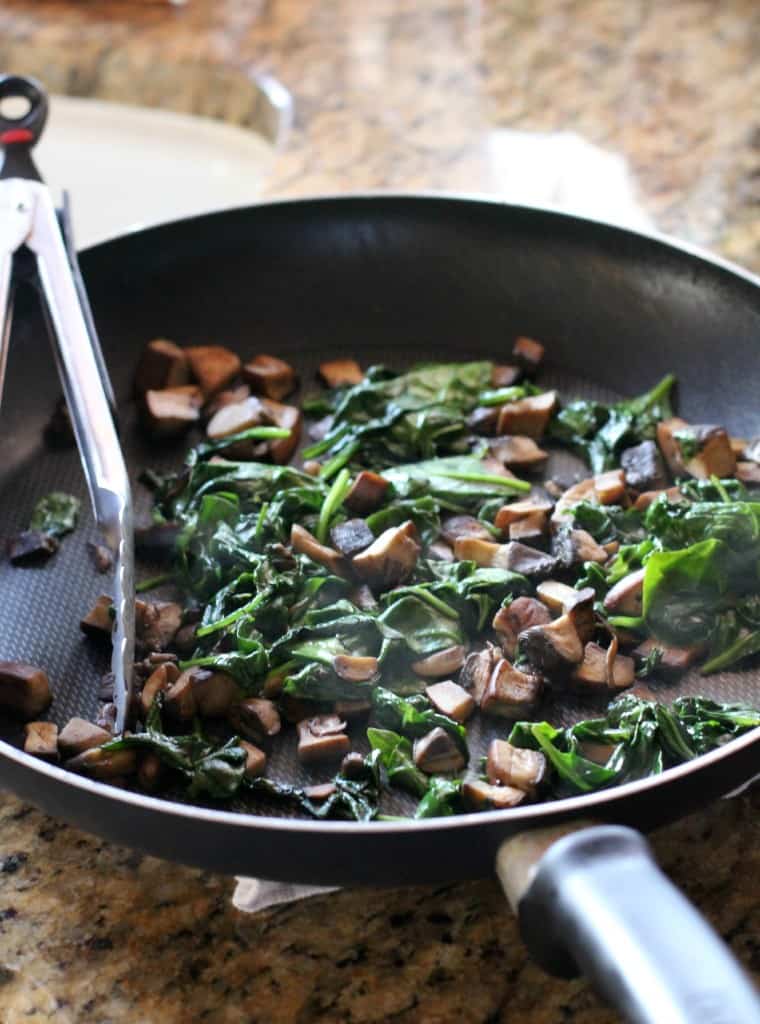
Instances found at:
x=19 y=135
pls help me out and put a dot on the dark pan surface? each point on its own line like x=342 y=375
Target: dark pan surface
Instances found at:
x=384 y=279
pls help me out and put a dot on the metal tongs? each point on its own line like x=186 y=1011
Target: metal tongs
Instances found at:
x=36 y=245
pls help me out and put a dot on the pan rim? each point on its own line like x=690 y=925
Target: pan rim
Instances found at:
x=530 y=814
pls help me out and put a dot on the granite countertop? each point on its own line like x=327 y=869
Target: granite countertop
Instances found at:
x=539 y=100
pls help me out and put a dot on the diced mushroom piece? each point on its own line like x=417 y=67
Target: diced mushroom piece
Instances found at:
x=230 y=396
x=306 y=543
x=453 y=528
x=367 y=493
x=605 y=488
x=172 y=411
x=514 y=556
x=98 y=622
x=700 y=451
x=101 y=556
x=255 y=759
x=157 y=623
x=159 y=681
x=390 y=559
x=150 y=770
x=451 y=699
x=599 y=753
x=234 y=418
x=289 y=418
x=477 y=670
x=748 y=473
x=511 y=693
x=528 y=416
x=59 y=432
x=484 y=420
x=162 y=365
x=557 y=597
x=340 y=373
x=31 y=546
x=351 y=537
x=646 y=498
x=200 y=691
x=552 y=649
x=352 y=765
x=504 y=375
x=270 y=376
x=534 y=510
x=437 y=752
x=41 y=740
x=157 y=541
x=573 y=547
x=626 y=597
x=518 y=452
x=256 y=718
x=213 y=366
x=674 y=659
x=528 y=353
x=355 y=668
x=440 y=551
x=481 y=796
x=79 y=735
x=24 y=690
x=580 y=611
x=643 y=467
x=514 y=766
x=441 y=663
x=322 y=738
x=669 y=445
x=751 y=450
x=520 y=614
x=596 y=670
x=104 y=764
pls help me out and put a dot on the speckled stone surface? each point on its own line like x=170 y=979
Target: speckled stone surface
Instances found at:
x=652 y=106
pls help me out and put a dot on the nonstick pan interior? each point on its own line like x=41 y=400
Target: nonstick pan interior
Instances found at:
x=392 y=280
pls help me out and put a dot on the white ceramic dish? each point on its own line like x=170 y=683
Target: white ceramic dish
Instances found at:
x=127 y=167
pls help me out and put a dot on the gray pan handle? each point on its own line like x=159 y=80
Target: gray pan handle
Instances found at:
x=598 y=903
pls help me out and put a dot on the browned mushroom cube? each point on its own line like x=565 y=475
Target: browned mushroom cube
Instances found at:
x=557 y=597
x=306 y=543
x=150 y=771
x=510 y=693
x=157 y=623
x=626 y=597
x=173 y=411
x=536 y=509
x=200 y=691
x=288 y=417
x=98 y=622
x=477 y=670
x=514 y=556
x=437 y=752
x=351 y=537
x=454 y=528
x=79 y=735
x=24 y=690
x=213 y=367
x=256 y=718
x=340 y=373
x=700 y=451
x=481 y=796
x=645 y=499
x=233 y=418
x=41 y=740
x=441 y=663
x=322 y=738
x=230 y=396
x=451 y=699
x=270 y=376
x=255 y=759
x=610 y=487
x=596 y=670
x=484 y=420
x=674 y=659
x=528 y=353
x=390 y=559
x=104 y=764
x=440 y=551
x=528 y=416
x=513 y=766
x=504 y=375
x=31 y=546
x=519 y=615
x=367 y=493
x=748 y=473
x=518 y=452
x=157 y=682
x=554 y=648
x=606 y=488
x=321 y=791
x=355 y=668
x=162 y=365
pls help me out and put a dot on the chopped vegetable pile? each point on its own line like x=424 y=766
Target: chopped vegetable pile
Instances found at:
x=416 y=575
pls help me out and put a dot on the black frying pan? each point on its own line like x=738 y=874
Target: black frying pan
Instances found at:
x=402 y=279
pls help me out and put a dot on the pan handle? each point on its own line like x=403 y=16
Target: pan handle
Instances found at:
x=596 y=902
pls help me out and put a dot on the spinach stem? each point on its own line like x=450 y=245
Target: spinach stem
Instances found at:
x=228 y=620
x=509 y=483
x=154 y=581
x=332 y=503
